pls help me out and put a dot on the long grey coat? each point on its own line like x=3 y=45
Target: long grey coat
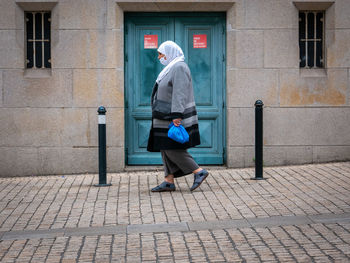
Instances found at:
x=173 y=98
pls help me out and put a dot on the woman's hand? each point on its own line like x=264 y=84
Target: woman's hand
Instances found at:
x=177 y=122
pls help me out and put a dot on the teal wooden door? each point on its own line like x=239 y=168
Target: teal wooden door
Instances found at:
x=202 y=38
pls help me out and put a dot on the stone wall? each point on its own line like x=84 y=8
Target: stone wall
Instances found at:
x=49 y=118
x=306 y=114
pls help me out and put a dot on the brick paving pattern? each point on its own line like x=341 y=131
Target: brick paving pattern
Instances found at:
x=299 y=214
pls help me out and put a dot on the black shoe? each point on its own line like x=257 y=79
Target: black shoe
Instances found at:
x=199 y=178
x=163 y=187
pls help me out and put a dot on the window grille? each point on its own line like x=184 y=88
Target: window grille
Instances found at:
x=38 y=39
x=311 y=39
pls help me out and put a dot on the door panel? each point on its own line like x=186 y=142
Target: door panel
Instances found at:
x=142 y=69
x=207 y=68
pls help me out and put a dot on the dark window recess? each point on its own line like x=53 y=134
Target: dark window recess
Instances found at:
x=311 y=38
x=38 y=39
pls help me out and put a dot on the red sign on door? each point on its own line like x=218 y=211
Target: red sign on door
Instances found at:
x=150 y=41
x=199 y=41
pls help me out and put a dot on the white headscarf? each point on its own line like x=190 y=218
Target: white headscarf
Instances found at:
x=173 y=54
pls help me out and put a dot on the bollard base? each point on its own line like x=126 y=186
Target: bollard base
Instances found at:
x=258 y=178
x=102 y=185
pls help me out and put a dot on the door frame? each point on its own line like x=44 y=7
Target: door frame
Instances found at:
x=224 y=83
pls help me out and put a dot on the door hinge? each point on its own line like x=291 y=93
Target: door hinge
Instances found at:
x=126 y=58
x=223 y=105
x=223 y=29
x=223 y=57
x=126 y=104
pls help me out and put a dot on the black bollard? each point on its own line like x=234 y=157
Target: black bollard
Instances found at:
x=258 y=140
x=102 y=160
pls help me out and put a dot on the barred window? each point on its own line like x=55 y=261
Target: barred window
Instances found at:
x=311 y=39
x=38 y=39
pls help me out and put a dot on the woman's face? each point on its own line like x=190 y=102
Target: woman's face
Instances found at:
x=160 y=55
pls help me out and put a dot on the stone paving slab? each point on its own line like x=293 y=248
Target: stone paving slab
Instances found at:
x=157 y=228
x=214 y=225
x=178 y=227
x=300 y=214
x=32 y=234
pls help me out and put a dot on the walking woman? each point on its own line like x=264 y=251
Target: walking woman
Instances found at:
x=173 y=101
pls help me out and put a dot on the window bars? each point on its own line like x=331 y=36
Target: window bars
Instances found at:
x=311 y=39
x=38 y=39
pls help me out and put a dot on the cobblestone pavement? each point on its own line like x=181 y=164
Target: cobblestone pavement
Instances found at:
x=299 y=214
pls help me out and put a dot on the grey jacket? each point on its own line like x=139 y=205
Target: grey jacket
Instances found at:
x=173 y=98
x=174 y=94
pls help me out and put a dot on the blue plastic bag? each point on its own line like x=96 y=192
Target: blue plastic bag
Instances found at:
x=178 y=134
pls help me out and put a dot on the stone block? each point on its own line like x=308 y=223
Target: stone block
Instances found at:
x=156 y=228
x=174 y=6
x=251 y=85
x=103 y=51
x=71 y=50
x=95 y=231
x=111 y=14
x=249 y=155
x=115 y=159
x=338 y=51
x=50 y=161
x=112 y=90
x=94 y=87
x=24 y=127
x=11 y=52
x=18 y=161
x=279 y=221
x=230 y=86
x=22 y=91
x=330 y=17
x=287 y=155
x=7 y=17
x=114 y=127
x=281 y=49
x=331 y=153
x=74 y=128
x=230 y=50
x=119 y=16
x=342 y=11
x=1 y=88
x=250 y=47
x=138 y=7
x=83 y=14
x=330 y=89
x=235 y=157
x=79 y=160
x=270 y=14
x=240 y=123
x=86 y=84
x=184 y=6
x=236 y=15
x=330 y=218
x=214 y=225
x=306 y=126
x=32 y=234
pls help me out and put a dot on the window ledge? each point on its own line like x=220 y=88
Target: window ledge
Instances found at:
x=37 y=73
x=313 y=5
x=313 y=72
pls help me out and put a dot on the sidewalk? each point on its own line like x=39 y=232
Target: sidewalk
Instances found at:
x=299 y=214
